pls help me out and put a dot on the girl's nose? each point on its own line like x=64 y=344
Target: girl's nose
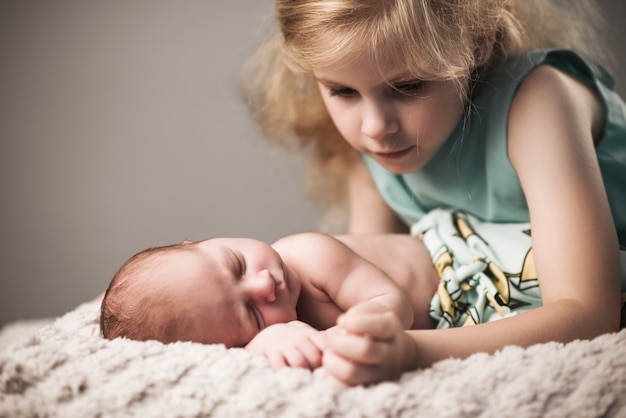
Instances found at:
x=260 y=287
x=377 y=120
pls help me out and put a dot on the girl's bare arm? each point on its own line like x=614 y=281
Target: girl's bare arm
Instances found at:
x=368 y=212
x=553 y=123
x=551 y=145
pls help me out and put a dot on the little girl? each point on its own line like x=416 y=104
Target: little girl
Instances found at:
x=495 y=107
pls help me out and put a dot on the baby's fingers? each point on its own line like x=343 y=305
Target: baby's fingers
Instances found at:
x=276 y=359
x=307 y=356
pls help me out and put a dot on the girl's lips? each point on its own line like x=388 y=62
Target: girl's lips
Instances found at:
x=392 y=156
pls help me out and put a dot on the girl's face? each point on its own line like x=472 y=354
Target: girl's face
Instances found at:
x=386 y=113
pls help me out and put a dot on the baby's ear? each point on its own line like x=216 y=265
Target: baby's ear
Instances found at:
x=484 y=47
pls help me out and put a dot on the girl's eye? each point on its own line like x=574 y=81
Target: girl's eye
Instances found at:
x=344 y=92
x=410 y=88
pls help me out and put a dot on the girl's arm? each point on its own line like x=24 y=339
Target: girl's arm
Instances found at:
x=552 y=124
x=368 y=212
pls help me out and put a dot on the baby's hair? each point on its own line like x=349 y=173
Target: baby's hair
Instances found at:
x=132 y=310
x=435 y=39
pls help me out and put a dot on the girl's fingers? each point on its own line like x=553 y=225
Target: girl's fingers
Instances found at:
x=377 y=326
x=349 y=372
x=360 y=349
x=355 y=359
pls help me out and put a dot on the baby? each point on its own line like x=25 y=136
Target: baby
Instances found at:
x=273 y=300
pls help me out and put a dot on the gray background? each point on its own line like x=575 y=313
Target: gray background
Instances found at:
x=121 y=127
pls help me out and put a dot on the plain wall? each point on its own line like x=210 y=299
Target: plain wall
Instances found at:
x=121 y=128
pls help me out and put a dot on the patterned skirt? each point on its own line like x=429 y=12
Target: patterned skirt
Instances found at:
x=487 y=270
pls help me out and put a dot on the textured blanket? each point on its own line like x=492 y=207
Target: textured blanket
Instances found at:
x=65 y=369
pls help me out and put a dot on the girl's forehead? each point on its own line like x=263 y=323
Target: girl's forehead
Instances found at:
x=384 y=69
x=387 y=60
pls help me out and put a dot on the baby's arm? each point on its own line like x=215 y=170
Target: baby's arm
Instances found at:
x=348 y=281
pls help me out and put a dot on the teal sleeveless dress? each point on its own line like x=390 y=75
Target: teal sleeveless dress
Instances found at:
x=472 y=170
x=470 y=186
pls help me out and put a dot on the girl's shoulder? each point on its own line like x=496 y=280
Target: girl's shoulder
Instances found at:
x=506 y=75
x=552 y=76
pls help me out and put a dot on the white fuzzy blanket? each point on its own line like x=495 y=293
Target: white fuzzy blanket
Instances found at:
x=65 y=369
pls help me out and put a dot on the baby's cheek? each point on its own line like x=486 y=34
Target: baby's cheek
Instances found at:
x=280 y=315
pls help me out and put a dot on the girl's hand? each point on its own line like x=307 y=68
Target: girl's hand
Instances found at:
x=368 y=348
x=293 y=344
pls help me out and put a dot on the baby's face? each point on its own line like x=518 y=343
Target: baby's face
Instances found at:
x=234 y=287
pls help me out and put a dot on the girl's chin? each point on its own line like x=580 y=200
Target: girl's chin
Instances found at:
x=400 y=168
x=403 y=162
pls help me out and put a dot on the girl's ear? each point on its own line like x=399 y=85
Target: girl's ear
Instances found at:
x=484 y=48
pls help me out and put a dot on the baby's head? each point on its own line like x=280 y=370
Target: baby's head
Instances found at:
x=223 y=290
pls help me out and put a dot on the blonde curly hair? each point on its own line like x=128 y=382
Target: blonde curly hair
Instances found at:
x=435 y=39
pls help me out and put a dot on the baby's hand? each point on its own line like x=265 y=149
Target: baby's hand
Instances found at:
x=369 y=347
x=294 y=344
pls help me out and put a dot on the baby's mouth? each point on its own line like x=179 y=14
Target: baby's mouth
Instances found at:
x=284 y=282
x=284 y=286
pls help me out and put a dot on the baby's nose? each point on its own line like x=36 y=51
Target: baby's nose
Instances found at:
x=261 y=287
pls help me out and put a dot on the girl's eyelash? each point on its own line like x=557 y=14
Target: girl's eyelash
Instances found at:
x=410 y=88
x=342 y=91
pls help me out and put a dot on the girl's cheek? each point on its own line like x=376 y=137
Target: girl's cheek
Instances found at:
x=348 y=125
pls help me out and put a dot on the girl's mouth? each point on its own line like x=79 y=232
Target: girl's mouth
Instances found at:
x=395 y=155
